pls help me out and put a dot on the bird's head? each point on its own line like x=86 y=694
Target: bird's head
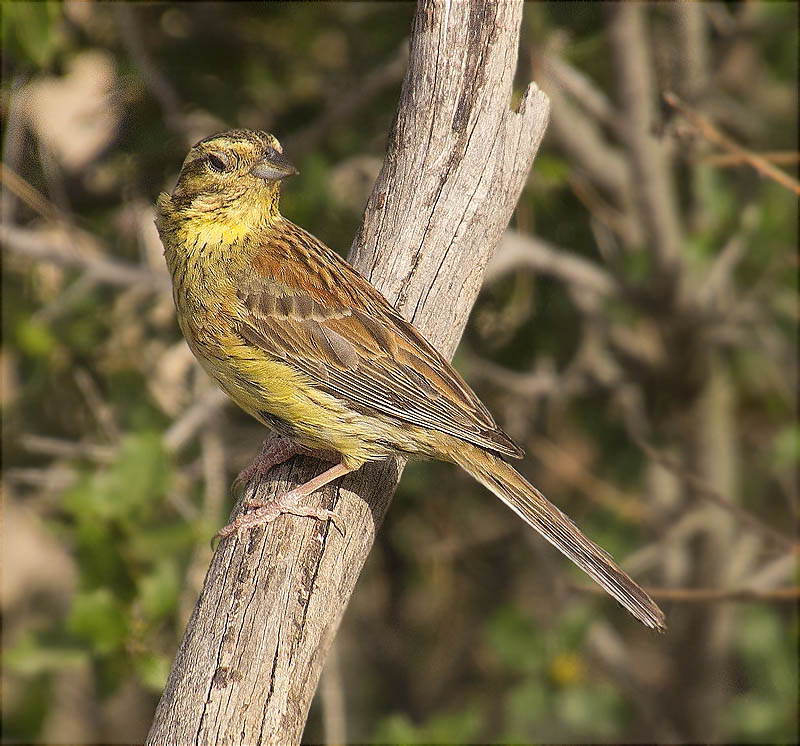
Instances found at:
x=232 y=176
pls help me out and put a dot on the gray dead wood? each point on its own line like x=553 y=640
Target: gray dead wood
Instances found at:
x=456 y=162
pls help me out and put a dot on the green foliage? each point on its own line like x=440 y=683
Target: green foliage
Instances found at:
x=35 y=339
x=32 y=32
x=98 y=619
x=130 y=559
x=458 y=727
x=552 y=172
x=554 y=689
x=133 y=484
x=32 y=658
x=786 y=448
x=768 y=711
x=158 y=591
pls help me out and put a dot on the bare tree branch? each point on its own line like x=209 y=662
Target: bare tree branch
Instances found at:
x=728 y=160
x=159 y=85
x=198 y=414
x=59 y=248
x=706 y=491
x=13 y=141
x=655 y=194
x=710 y=595
x=583 y=141
x=518 y=250
x=580 y=87
x=712 y=134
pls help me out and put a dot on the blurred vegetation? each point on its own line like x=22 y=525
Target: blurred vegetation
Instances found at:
x=464 y=627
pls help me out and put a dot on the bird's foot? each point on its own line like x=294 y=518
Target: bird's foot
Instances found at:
x=264 y=512
x=274 y=451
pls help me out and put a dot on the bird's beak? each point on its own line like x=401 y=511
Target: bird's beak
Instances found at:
x=273 y=167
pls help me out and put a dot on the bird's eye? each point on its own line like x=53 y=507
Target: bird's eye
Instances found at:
x=218 y=162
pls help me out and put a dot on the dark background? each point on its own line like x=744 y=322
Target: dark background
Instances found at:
x=662 y=420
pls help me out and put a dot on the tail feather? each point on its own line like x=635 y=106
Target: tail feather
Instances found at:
x=539 y=513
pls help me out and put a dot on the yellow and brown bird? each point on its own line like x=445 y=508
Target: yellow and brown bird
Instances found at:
x=297 y=338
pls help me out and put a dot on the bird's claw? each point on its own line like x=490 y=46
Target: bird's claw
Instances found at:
x=262 y=514
x=274 y=451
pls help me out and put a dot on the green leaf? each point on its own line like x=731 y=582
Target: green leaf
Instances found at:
x=786 y=447
x=551 y=171
x=527 y=706
x=136 y=480
x=396 y=729
x=454 y=727
x=29 y=657
x=168 y=539
x=158 y=592
x=32 y=31
x=35 y=338
x=515 y=641
x=153 y=670
x=97 y=618
x=754 y=716
x=140 y=474
x=592 y=710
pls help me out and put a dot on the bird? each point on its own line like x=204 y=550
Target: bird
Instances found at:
x=308 y=347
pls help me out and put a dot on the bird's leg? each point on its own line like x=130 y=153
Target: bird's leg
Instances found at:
x=262 y=513
x=274 y=451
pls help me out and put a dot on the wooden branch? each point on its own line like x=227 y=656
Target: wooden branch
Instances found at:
x=78 y=250
x=654 y=190
x=583 y=141
x=518 y=250
x=712 y=134
x=789 y=594
x=456 y=162
x=705 y=490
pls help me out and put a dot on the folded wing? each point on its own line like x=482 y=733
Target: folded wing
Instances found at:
x=332 y=325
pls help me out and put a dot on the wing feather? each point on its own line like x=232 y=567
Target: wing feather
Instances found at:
x=332 y=325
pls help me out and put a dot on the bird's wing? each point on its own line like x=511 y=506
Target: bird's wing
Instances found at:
x=316 y=313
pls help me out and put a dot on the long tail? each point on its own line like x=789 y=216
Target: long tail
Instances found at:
x=539 y=513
